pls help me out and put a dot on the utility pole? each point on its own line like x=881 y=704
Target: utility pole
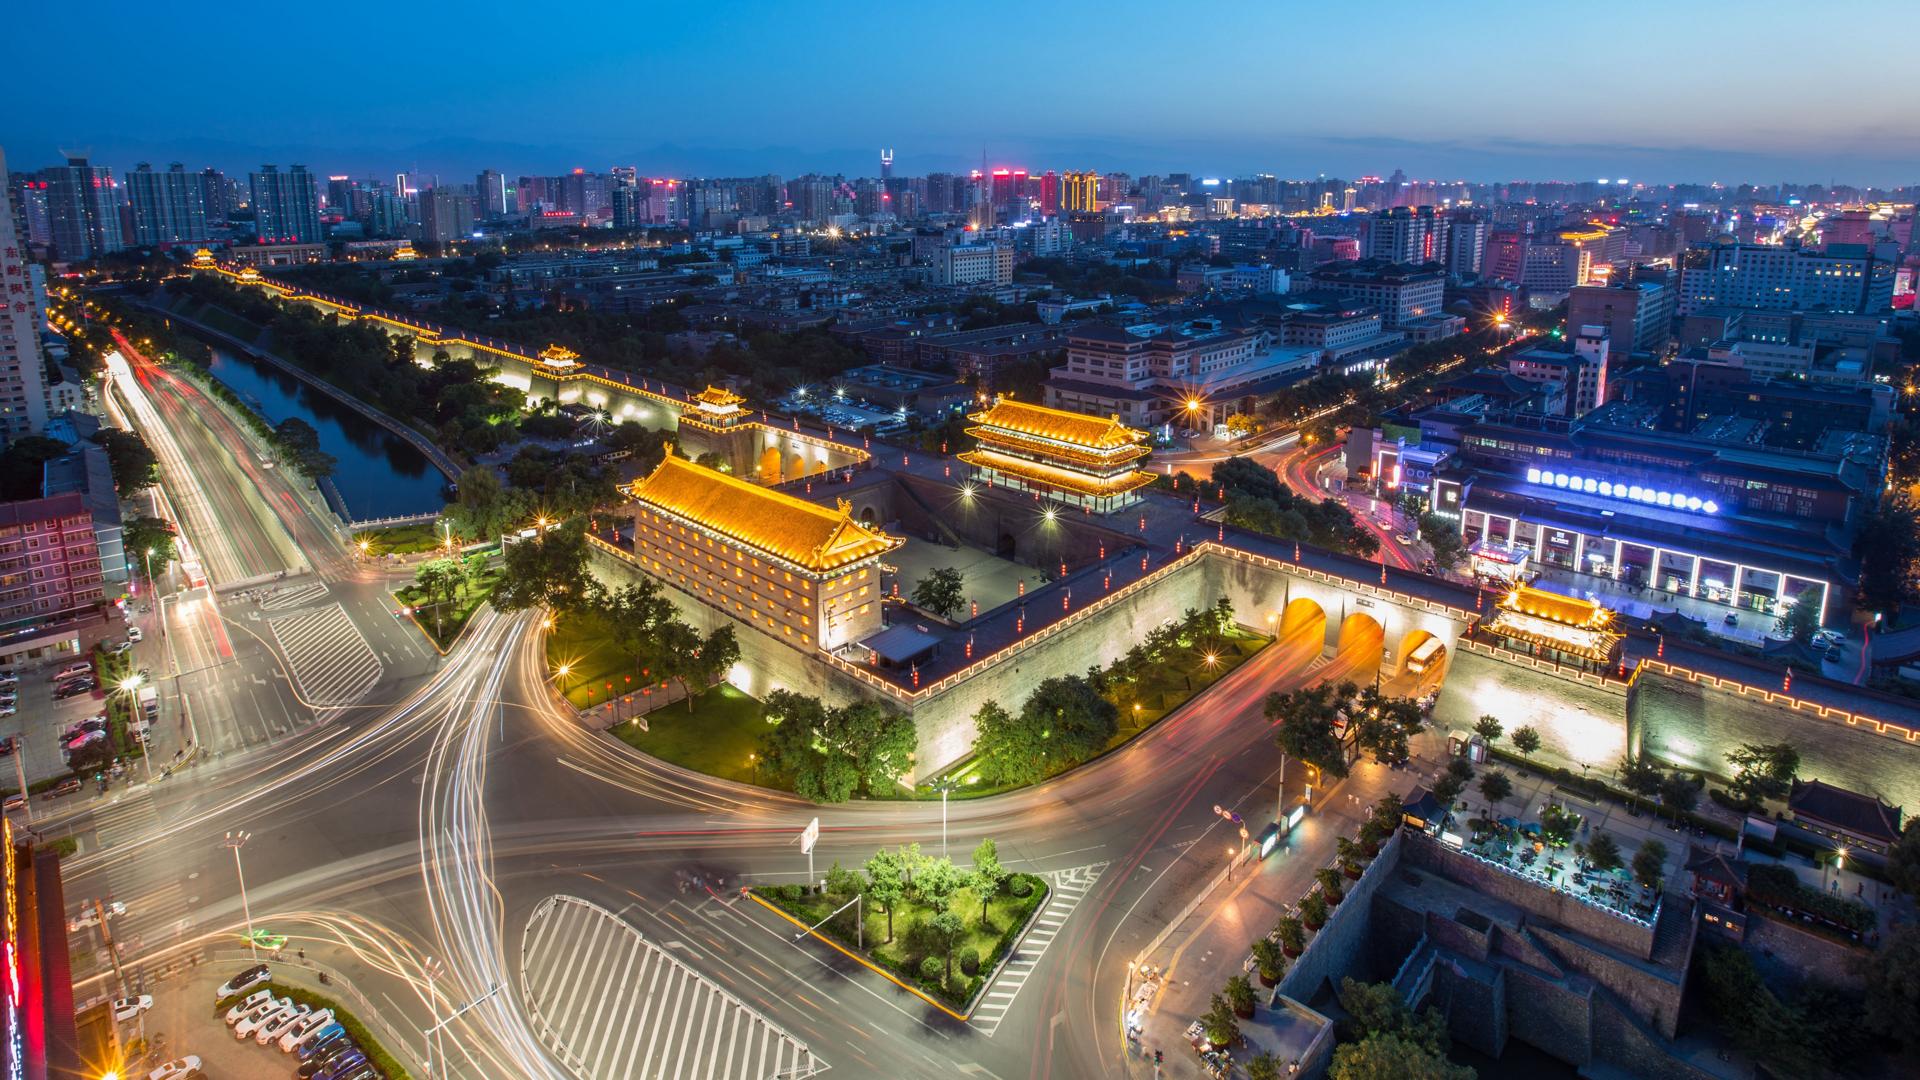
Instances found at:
x=237 y=840
x=20 y=770
x=434 y=1031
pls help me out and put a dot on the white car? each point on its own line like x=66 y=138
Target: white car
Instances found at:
x=134 y=634
x=127 y=1008
x=250 y=1026
x=1826 y=639
x=89 y=916
x=243 y=982
x=248 y=1004
x=176 y=1068
x=313 y=1021
x=259 y=1013
x=278 y=1026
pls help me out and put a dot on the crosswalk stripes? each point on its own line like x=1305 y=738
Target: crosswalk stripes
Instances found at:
x=610 y=1004
x=1068 y=886
x=329 y=657
x=293 y=596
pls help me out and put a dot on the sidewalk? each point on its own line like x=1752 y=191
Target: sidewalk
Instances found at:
x=1197 y=954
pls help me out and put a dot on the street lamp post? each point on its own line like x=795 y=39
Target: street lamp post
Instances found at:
x=945 y=786
x=237 y=840
x=20 y=769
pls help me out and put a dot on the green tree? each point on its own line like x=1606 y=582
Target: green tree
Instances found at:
x=1267 y=957
x=938 y=881
x=1293 y=933
x=1222 y=1027
x=828 y=753
x=1649 y=863
x=1392 y=1055
x=1386 y=724
x=485 y=508
x=987 y=874
x=1526 y=740
x=1763 y=771
x=946 y=930
x=886 y=883
x=1800 y=620
x=1239 y=995
x=1903 y=859
x=1063 y=722
x=1307 y=719
x=1313 y=910
x=440 y=580
x=1678 y=793
x=1263 y=1067
x=149 y=541
x=299 y=446
x=1449 y=547
x=943 y=592
x=1489 y=728
x=549 y=570
x=22 y=466
x=132 y=462
x=1893 y=987
x=1603 y=852
x=1887 y=546
x=1495 y=785
x=1640 y=775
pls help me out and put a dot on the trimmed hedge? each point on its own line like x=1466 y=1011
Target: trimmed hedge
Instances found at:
x=1781 y=889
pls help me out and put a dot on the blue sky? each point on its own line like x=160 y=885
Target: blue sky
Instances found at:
x=1688 y=90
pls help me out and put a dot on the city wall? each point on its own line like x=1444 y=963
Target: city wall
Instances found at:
x=1687 y=723
x=1332 y=951
x=1579 y=720
x=1632 y=938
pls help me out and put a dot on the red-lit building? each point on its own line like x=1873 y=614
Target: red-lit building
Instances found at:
x=37 y=1033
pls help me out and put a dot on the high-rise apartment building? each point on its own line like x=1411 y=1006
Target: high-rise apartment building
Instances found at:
x=168 y=207
x=286 y=205
x=975 y=264
x=1774 y=277
x=492 y=186
x=49 y=560
x=1082 y=192
x=1049 y=193
x=1405 y=235
x=83 y=210
x=1466 y=249
x=215 y=197
x=23 y=370
x=446 y=213
x=1637 y=315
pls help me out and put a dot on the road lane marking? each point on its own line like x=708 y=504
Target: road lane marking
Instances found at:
x=1068 y=887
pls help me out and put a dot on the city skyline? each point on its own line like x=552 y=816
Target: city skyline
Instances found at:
x=1290 y=94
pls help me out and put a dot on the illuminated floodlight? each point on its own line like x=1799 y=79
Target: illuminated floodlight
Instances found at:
x=1665 y=498
x=1710 y=506
x=1533 y=476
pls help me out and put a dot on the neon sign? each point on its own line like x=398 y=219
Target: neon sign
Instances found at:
x=16 y=1050
x=1672 y=500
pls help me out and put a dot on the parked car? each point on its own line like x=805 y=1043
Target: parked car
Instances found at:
x=324 y=1053
x=6 y=746
x=242 y=982
x=177 y=1069
x=73 y=689
x=279 y=1025
x=78 y=667
x=84 y=740
x=289 y=1037
x=343 y=1066
x=126 y=1008
x=260 y=1012
x=134 y=634
x=247 y=1004
x=250 y=1025
x=9 y=680
x=1826 y=639
x=64 y=787
x=16 y=801
x=318 y=1038
x=118 y=647
x=1833 y=654
x=9 y=710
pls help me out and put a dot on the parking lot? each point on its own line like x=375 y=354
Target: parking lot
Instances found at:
x=41 y=718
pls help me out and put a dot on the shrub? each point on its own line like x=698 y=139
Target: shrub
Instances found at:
x=1021 y=886
x=1239 y=995
x=1313 y=911
x=1293 y=937
x=970 y=961
x=931 y=967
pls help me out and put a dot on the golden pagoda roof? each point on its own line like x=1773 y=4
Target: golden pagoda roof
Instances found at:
x=718 y=396
x=1039 y=446
x=773 y=522
x=559 y=355
x=1064 y=479
x=1553 y=607
x=1099 y=433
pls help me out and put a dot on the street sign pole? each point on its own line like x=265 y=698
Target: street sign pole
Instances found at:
x=808 y=838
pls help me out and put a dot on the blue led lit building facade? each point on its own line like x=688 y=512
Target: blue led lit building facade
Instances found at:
x=1622 y=510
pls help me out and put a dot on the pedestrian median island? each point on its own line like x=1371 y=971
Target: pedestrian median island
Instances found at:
x=936 y=930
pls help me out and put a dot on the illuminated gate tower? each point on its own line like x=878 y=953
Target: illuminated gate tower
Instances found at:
x=1579 y=633
x=1084 y=461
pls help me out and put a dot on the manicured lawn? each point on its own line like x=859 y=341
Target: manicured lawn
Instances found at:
x=716 y=738
x=401 y=539
x=580 y=643
x=1007 y=916
x=445 y=626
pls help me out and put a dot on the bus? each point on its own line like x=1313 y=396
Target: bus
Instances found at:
x=1425 y=656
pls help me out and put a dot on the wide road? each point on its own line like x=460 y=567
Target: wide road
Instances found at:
x=436 y=827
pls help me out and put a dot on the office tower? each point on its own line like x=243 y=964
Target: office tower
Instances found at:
x=215 y=197
x=493 y=193
x=446 y=213
x=168 y=207
x=83 y=210
x=286 y=205
x=1082 y=192
x=628 y=206
x=340 y=194
x=1466 y=244
x=1004 y=188
x=1506 y=257
x=23 y=371
x=1405 y=235
x=1773 y=277
x=389 y=215
x=1638 y=315
x=886 y=165
x=1049 y=194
